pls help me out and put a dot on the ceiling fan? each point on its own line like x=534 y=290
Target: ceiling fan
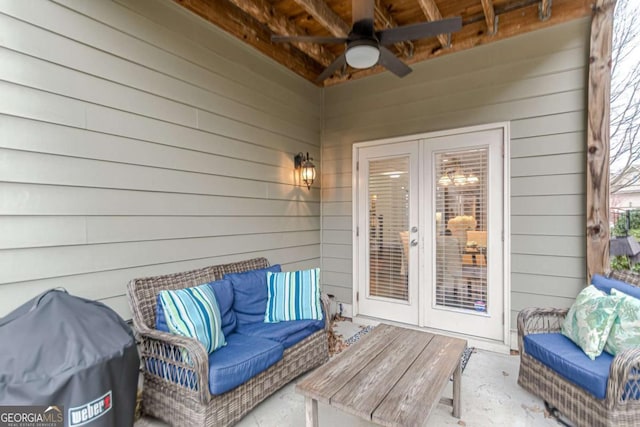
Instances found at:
x=367 y=47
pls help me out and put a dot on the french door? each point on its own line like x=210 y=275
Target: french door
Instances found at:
x=386 y=233
x=430 y=221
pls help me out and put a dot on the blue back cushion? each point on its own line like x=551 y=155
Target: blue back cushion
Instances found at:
x=250 y=293
x=224 y=294
x=605 y=285
x=161 y=321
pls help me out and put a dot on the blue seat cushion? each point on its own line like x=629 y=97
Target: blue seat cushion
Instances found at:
x=242 y=358
x=250 y=293
x=560 y=354
x=605 y=284
x=223 y=289
x=286 y=333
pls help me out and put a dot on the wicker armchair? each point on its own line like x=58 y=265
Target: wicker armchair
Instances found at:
x=621 y=406
x=185 y=400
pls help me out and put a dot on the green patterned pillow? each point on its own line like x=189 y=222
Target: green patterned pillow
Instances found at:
x=590 y=319
x=625 y=332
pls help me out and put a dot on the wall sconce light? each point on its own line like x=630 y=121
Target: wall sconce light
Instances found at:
x=307 y=169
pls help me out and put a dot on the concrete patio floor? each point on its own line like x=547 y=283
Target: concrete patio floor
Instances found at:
x=490 y=397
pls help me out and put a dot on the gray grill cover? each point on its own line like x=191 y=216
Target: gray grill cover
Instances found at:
x=58 y=349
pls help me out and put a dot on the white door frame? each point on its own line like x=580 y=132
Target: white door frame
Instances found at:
x=505 y=127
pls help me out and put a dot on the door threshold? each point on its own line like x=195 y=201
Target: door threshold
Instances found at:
x=472 y=341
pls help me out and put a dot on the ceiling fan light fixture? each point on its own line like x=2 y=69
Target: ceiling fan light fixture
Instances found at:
x=362 y=54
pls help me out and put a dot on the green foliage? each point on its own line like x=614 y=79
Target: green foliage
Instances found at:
x=619 y=263
x=622 y=263
x=634 y=229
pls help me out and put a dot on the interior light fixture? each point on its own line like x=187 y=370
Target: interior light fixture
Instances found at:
x=307 y=168
x=454 y=174
x=472 y=179
x=459 y=179
x=445 y=180
x=362 y=54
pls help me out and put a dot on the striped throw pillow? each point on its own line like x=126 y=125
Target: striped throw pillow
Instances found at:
x=293 y=295
x=194 y=313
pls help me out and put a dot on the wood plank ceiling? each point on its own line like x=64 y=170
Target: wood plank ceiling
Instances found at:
x=484 y=21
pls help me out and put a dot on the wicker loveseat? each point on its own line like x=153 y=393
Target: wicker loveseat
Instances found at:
x=621 y=403
x=185 y=399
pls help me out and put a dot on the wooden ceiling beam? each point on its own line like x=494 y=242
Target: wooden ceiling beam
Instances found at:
x=322 y=13
x=247 y=29
x=490 y=16
x=431 y=11
x=512 y=23
x=545 y=10
x=264 y=13
x=382 y=15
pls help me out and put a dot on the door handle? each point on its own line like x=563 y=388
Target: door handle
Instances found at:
x=414 y=242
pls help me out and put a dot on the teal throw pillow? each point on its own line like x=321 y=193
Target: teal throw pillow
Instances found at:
x=293 y=295
x=589 y=320
x=625 y=332
x=194 y=313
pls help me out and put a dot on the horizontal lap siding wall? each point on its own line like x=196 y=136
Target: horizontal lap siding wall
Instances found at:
x=538 y=83
x=135 y=139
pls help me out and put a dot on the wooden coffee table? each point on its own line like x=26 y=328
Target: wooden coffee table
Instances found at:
x=392 y=376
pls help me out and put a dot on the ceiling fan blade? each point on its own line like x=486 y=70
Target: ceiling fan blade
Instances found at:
x=332 y=68
x=419 y=31
x=362 y=12
x=389 y=61
x=307 y=39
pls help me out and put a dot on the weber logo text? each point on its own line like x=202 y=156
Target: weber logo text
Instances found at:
x=88 y=412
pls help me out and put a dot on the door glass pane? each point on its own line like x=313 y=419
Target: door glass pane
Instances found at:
x=388 y=228
x=461 y=229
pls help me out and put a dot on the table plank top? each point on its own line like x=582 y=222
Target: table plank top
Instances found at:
x=364 y=392
x=322 y=383
x=393 y=376
x=418 y=391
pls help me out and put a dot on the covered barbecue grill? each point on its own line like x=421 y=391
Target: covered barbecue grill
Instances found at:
x=72 y=353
